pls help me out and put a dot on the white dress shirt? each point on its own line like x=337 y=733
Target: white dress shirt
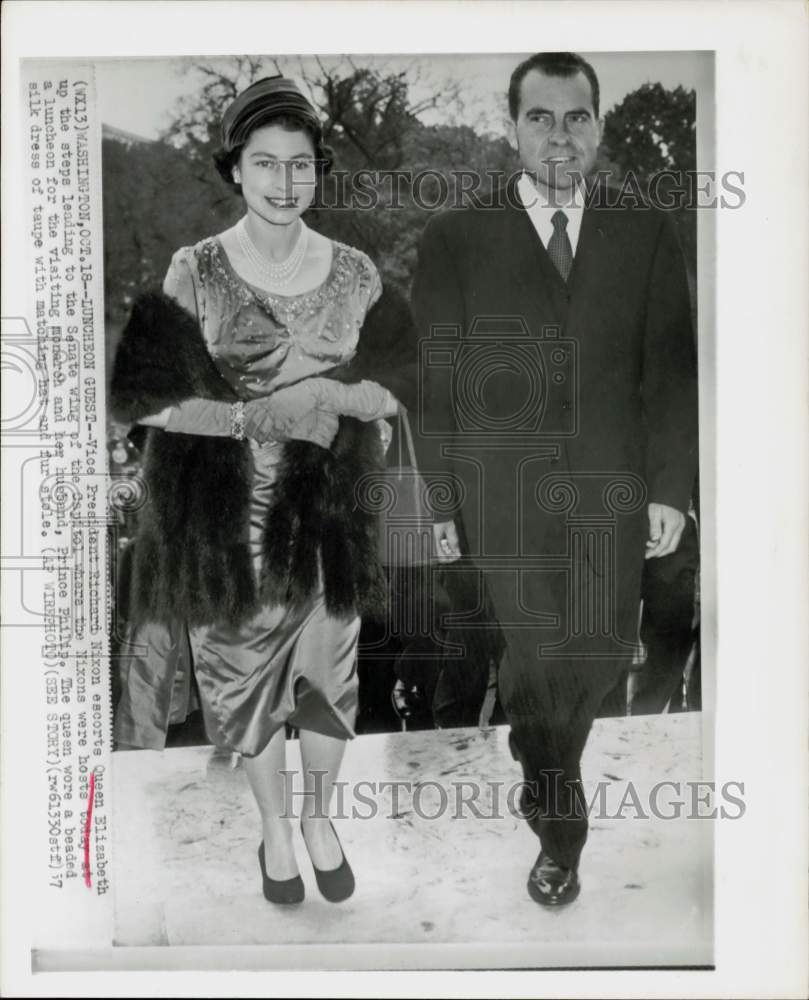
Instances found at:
x=541 y=214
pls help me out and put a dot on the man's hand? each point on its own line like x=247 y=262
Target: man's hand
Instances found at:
x=446 y=541
x=665 y=528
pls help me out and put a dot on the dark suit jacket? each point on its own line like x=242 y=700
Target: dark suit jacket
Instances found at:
x=528 y=381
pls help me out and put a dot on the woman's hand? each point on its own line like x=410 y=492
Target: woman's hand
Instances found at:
x=272 y=417
x=288 y=414
x=291 y=413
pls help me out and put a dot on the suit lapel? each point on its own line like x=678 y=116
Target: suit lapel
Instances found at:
x=534 y=272
x=539 y=292
x=598 y=270
x=589 y=249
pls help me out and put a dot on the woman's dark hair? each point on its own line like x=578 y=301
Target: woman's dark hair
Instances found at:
x=226 y=159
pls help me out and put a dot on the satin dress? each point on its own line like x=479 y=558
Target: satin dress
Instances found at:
x=284 y=665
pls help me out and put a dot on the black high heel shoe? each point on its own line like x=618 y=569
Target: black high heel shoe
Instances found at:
x=335 y=884
x=283 y=891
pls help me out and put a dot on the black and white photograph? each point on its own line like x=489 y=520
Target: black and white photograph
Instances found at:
x=385 y=601
x=399 y=525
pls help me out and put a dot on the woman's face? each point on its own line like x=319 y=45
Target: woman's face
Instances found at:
x=277 y=172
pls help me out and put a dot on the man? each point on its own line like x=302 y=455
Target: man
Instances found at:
x=560 y=403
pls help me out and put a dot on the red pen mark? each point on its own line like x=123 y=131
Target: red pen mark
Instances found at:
x=87 y=827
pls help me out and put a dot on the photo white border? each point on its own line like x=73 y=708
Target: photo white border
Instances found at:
x=761 y=427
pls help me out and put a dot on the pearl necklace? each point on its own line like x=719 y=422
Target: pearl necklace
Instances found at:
x=281 y=273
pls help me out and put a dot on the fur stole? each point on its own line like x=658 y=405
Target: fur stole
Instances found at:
x=191 y=558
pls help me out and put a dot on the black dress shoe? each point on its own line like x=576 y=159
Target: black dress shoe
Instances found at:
x=550 y=884
x=284 y=891
x=335 y=884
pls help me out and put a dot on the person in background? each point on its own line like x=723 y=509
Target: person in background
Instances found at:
x=669 y=630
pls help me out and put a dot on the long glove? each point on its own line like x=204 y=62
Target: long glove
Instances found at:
x=200 y=416
x=306 y=411
x=264 y=422
x=279 y=417
x=364 y=400
x=282 y=417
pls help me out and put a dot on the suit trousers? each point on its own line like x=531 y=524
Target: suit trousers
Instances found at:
x=549 y=741
x=550 y=702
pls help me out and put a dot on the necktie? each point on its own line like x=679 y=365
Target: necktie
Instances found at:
x=559 y=248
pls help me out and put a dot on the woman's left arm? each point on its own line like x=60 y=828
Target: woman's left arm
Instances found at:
x=364 y=400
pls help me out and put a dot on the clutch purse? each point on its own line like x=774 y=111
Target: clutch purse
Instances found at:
x=398 y=497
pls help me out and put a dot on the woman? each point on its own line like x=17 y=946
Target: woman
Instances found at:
x=263 y=415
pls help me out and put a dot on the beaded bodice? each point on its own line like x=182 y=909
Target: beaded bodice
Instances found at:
x=261 y=341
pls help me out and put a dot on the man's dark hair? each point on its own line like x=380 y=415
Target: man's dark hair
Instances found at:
x=551 y=64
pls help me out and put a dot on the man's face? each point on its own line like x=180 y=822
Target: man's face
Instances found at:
x=557 y=130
